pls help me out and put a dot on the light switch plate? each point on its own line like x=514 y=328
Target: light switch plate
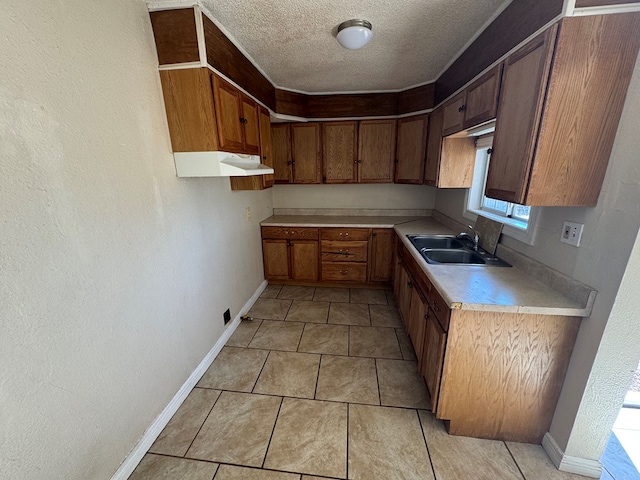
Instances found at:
x=572 y=233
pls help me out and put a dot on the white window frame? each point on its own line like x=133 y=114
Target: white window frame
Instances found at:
x=473 y=199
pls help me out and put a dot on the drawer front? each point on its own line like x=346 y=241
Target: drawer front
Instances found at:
x=440 y=308
x=290 y=232
x=361 y=234
x=347 y=251
x=344 y=272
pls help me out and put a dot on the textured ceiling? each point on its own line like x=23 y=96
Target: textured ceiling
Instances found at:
x=293 y=41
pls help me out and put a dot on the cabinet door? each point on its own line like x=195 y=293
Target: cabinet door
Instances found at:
x=276 y=259
x=376 y=151
x=417 y=312
x=305 y=153
x=411 y=146
x=404 y=295
x=481 y=103
x=453 y=112
x=281 y=147
x=434 y=148
x=251 y=126
x=381 y=257
x=433 y=357
x=266 y=155
x=524 y=83
x=339 y=152
x=304 y=260
x=228 y=115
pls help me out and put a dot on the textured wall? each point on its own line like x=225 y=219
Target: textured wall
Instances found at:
x=113 y=272
x=380 y=196
x=582 y=420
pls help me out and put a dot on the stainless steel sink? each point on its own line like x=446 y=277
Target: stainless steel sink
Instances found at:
x=453 y=256
x=435 y=241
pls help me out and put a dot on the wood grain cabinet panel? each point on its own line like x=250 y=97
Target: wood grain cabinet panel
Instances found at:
x=281 y=145
x=259 y=182
x=304 y=260
x=381 y=257
x=432 y=358
x=416 y=320
x=410 y=151
x=559 y=108
x=376 y=151
x=339 y=152
x=453 y=114
x=251 y=121
x=290 y=253
x=344 y=272
x=361 y=234
x=434 y=148
x=481 y=98
x=275 y=254
x=228 y=106
x=305 y=153
x=336 y=251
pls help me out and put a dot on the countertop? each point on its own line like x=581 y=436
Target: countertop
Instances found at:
x=468 y=287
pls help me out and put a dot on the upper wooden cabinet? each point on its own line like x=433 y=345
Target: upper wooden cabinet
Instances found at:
x=411 y=146
x=238 y=128
x=305 y=153
x=339 y=152
x=376 y=151
x=475 y=105
x=281 y=152
x=559 y=109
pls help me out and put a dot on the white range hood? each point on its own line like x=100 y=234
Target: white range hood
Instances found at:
x=218 y=164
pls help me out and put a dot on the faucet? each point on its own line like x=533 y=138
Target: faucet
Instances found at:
x=475 y=239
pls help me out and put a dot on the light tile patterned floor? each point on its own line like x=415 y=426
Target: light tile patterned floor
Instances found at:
x=323 y=384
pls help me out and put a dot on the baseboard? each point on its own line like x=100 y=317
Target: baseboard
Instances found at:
x=131 y=462
x=567 y=463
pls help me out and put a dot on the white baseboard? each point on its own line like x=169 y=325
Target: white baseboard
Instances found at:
x=567 y=463
x=131 y=462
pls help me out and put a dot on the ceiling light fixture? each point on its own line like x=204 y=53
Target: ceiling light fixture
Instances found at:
x=354 y=34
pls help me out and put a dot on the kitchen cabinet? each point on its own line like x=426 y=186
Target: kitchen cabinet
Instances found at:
x=297 y=152
x=290 y=253
x=432 y=358
x=339 y=152
x=416 y=320
x=450 y=160
x=410 y=150
x=381 y=257
x=259 y=182
x=474 y=105
x=237 y=119
x=376 y=151
x=560 y=104
x=344 y=254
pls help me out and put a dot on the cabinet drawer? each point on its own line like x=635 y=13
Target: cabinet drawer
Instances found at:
x=290 y=232
x=348 y=251
x=344 y=272
x=344 y=233
x=440 y=308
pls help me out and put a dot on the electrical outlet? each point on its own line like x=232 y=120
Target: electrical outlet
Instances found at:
x=226 y=316
x=247 y=213
x=572 y=233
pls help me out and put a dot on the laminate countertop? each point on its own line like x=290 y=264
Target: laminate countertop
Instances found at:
x=526 y=287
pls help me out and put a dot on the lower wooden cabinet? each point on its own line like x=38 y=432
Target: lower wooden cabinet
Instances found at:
x=381 y=257
x=344 y=254
x=290 y=254
x=416 y=320
x=431 y=358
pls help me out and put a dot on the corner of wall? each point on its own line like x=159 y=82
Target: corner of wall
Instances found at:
x=566 y=463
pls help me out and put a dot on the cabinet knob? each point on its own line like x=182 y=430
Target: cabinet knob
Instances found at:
x=462 y=108
x=410 y=284
x=343 y=272
x=264 y=157
x=346 y=234
x=293 y=232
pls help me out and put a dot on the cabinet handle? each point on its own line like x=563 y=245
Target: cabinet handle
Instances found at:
x=264 y=157
x=357 y=161
x=293 y=232
x=462 y=108
x=410 y=284
x=374 y=234
x=343 y=272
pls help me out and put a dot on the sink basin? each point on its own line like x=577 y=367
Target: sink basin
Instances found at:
x=453 y=256
x=435 y=241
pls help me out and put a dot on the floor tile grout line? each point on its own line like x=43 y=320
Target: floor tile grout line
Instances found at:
x=254 y=333
x=347 y=470
x=426 y=444
x=378 y=382
x=300 y=339
x=514 y=460
x=315 y=390
x=266 y=451
x=260 y=373
x=319 y=353
x=202 y=425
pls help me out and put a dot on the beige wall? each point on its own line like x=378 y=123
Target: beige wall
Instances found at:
x=601 y=364
x=114 y=274
x=378 y=196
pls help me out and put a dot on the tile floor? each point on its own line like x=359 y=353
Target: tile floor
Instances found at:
x=323 y=384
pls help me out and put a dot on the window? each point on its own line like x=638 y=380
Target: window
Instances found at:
x=519 y=220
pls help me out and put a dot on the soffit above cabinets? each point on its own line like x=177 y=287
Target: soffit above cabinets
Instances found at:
x=293 y=41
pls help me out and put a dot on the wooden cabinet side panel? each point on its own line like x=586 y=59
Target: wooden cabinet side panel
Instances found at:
x=503 y=373
x=339 y=151
x=381 y=258
x=411 y=146
x=434 y=148
x=276 y=259
x=188 y=99
x=266 y=148
x=305 y=152
x=228 y=111
x=251 y=128
x=457 y=161
x=304 y=260
x=376 y=151
x=482 y=98
x=281 y=148
x=524 y=83
x=592 y=67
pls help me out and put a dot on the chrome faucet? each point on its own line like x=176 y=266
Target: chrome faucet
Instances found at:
x=475 y=239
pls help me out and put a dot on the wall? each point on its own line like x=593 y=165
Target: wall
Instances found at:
x=583 y=419
x=369 y=196
x=114 y=274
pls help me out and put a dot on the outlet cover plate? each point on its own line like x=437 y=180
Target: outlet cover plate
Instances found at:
x=572 y=233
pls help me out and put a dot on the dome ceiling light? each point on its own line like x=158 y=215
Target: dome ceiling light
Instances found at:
x=354 y=34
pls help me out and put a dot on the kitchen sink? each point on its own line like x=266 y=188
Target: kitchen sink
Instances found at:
x=448 y=250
